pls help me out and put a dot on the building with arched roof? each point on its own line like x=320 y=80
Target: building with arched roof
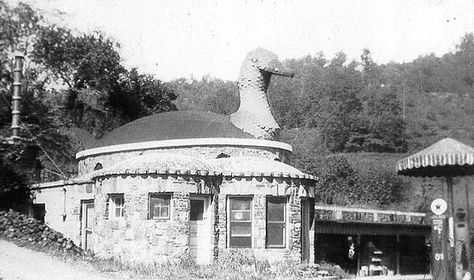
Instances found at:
x=197 y=185
x=189 y=184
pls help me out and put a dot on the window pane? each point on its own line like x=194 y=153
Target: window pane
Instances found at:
x=155 y=210
x=118 y=212
x=197 y=209
x=159 y=207
x=160 y=201
x=241 y=229
x=116 y=205
x=276 y=210
x=275 y=235
x=240 y=222
x=240 y=204
x=240 y=216
x=164 y=212
x=240 y=242
x=276 y=220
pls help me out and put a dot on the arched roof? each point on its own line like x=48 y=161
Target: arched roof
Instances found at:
x=173 y=125
x=257 y=167
x=167 y=163
x=158 y=163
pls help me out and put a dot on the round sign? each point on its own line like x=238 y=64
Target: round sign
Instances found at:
x=439 y=206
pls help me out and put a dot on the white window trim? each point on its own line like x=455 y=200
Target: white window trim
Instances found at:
x=113 y=206
x=252 y=219
x=160 y=195
x=286 y=238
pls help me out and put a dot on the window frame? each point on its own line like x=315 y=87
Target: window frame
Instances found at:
x=112 y=206
x=164 y=196
x=230 y=223
x=284 y=224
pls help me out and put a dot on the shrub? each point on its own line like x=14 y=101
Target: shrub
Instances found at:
x=30 y=232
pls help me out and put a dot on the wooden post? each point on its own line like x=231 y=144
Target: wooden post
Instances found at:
x=359 y=248
x=451 y=230
x=461 y=229
x=398 y=255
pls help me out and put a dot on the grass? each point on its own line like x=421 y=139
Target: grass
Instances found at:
x=232 y=266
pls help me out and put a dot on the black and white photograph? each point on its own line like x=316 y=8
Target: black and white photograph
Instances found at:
x=237 y=139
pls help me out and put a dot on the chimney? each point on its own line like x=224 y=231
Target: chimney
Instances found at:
x=17 y=77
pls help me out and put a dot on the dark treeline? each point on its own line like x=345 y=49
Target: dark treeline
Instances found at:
x=76 y=89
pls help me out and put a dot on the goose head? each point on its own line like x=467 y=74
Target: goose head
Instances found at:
x=258 y=67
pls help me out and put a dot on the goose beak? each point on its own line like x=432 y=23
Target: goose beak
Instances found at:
x=275 y=67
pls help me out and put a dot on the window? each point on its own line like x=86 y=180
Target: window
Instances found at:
x=240 y=222
x=116 y=202
x=276 y=222
x=159 y=207
x=98 y=166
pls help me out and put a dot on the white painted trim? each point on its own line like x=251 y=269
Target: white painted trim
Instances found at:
x=184 y=143
x=336 y=208
x=60 y=183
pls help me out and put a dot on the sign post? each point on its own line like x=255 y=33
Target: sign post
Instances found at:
x=439 y=246
x=439 y=242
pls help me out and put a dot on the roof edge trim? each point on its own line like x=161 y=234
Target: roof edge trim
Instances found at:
x=184 y=143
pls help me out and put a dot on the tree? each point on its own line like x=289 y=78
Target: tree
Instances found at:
x=381 y=125
x=207 y=94
x=337 y=182
x=339 y=106
x=100 y=93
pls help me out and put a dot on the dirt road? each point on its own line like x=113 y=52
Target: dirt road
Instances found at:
x=17 y=263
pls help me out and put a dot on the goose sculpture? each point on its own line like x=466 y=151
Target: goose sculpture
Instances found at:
x=253 y=119
x=254 y=115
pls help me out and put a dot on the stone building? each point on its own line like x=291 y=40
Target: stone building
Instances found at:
x=189 y=184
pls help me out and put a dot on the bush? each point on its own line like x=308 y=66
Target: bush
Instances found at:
x=32 y=233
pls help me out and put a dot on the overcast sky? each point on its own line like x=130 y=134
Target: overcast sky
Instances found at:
x=172 y=39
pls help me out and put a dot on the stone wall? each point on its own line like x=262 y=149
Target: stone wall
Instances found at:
x=259 y=189
x=87 y=164
x=134 y=236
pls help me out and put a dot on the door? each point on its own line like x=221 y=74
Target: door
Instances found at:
x=305 y=229
x=200 y=231
x=87 y=224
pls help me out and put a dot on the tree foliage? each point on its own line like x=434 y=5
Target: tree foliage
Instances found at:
x=100 y=93
x=70 y=80
x=207 y=94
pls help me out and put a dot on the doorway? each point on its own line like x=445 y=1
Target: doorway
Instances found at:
x=87 y=217
x=307 y=230
x=200 y=230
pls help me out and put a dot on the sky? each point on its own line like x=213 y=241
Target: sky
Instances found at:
x=192 y=38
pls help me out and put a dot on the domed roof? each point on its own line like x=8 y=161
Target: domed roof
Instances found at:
x=158 y=163
x=174 y=125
